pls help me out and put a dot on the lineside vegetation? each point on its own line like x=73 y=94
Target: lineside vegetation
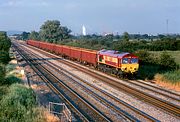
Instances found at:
x=150 y=64
x=17 y=102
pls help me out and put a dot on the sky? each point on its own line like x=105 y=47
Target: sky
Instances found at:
x=98 y=16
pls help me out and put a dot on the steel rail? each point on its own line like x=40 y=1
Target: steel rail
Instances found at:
x=160 y=103
x=52 y=86
x=56 y=67
x=161 y=89
x=113 y=107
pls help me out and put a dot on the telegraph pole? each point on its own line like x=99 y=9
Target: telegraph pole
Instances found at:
x=167 y=26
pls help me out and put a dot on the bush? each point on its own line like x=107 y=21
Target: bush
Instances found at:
x=10 y=67
x=3 y=91
x=144 y=56
x=150 y=64
x=12 y=113
x=11 y=80
x=18 y=101
x=167 y=61
x=36 y=115
x=164 y=44
x=5 y=42
x=2 y=73
x=25 y=95
x=148 y=71
x=4 y=57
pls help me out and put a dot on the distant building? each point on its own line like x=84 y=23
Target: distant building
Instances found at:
x=83 y=30
x=107 y=33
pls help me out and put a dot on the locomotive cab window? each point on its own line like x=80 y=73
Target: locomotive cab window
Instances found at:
x=125 y=61
x=134 y=60
x=100 y=58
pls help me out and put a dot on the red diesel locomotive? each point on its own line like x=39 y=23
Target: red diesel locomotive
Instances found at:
x=105 y=60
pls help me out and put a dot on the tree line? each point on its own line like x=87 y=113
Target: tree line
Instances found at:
x=51 y=31
x=124 y=44
x=139 y=44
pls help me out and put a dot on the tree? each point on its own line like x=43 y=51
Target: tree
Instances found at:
x=144 y=56
x=161 y=36
x=25 y=35
x=125 y=36
x=4 y=57
x=5 y=44
x=34 y=35
x=52 y=31
x=17 y=104
x=167 y=61
x=2 y=73
x=65 y=32
x=22 y=36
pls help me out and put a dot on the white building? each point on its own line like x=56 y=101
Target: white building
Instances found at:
x=83 y=30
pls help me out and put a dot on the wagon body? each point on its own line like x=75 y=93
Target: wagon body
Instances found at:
x=66 y=51
x=43 y=45
x=50 y=47
x=58 y=49
x=89 y=56
x=33 y=43
x=76 y=53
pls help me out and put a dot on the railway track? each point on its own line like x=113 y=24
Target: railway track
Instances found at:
x=83 y=108
x=169 y=94
x=171 y=108
x=136 y=113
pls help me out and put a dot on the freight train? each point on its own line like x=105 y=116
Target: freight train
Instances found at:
x=110 y=61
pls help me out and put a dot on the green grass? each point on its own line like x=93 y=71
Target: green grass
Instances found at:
x=3 y=91
x=17 y=102
x=10 y=67
x=174 y=54
x=172 y=76
x=19 y=105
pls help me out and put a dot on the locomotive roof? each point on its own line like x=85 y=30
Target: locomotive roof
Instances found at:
x=113 y=53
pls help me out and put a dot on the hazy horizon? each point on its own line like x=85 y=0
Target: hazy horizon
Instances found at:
x=142 y=16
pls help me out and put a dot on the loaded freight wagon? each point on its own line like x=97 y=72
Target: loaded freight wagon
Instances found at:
x=58 y=49
x=105 y=60
x=66 y=51
x=89 y=56
x=76 y=54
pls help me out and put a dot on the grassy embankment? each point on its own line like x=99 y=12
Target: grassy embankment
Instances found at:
x=18 y=102
x=169 y=77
